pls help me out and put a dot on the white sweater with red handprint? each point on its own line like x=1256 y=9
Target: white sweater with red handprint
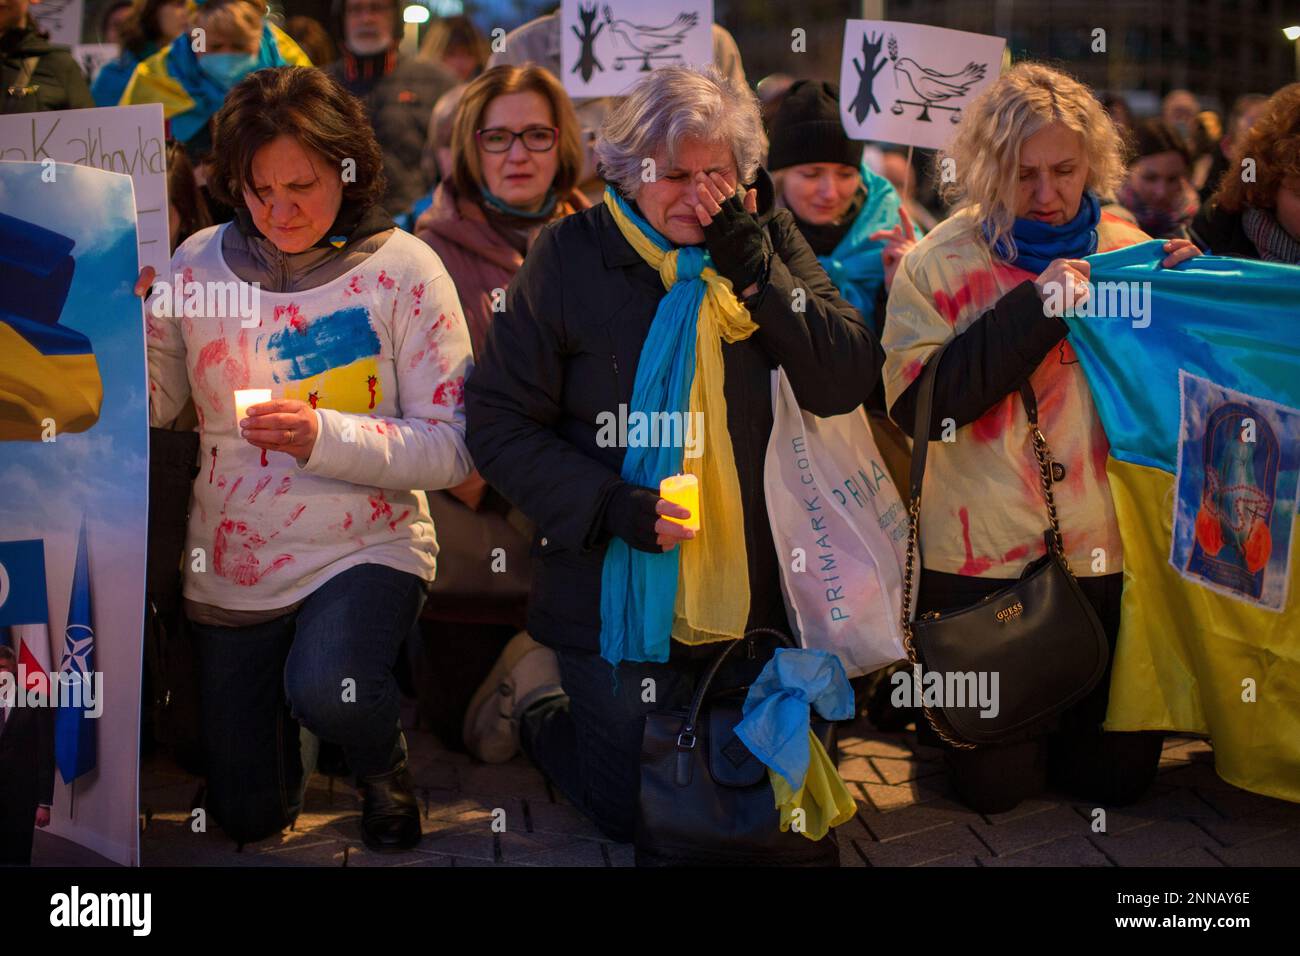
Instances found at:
x=381 y=353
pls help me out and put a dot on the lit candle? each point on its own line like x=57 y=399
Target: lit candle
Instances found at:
x=683 y=490
x=245 y=397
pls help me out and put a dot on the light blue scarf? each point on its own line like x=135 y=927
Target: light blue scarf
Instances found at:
x=855 y=266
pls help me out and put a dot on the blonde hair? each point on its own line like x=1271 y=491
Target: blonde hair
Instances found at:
x=986 y=149
x=233 y=19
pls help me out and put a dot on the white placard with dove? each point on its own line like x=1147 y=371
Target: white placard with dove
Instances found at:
x=909 y=84
x=606 y=46
x=61 y=19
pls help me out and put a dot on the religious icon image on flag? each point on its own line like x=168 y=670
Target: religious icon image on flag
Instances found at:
x=1238 y=466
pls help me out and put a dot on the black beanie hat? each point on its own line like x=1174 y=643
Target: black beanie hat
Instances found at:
x=807 y=129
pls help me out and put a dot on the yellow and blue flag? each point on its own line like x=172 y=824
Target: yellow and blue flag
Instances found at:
x=1197 y=384
x=48 y=371
x=190 y=97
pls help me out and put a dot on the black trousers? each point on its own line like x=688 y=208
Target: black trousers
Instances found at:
x=1074 y=755
x=588 y=742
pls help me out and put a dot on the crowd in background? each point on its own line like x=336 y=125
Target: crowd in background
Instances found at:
x=478 y=174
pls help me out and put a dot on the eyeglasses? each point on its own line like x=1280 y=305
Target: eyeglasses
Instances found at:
x=498 y=139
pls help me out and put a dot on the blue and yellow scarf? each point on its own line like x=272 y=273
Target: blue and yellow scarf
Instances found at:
x=699 y=591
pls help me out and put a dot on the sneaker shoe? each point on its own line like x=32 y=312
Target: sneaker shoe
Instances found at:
x=525 y=673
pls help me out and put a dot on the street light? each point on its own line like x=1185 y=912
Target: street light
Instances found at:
x=412 y=16
x=1293 y=33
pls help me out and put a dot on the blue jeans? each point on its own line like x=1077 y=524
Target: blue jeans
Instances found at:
x=328 y=667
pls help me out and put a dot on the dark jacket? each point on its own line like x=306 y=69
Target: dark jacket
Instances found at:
x=1219 y=233
x=56 y=83
x=566 y=349
x=26 y=778
x=399 y=101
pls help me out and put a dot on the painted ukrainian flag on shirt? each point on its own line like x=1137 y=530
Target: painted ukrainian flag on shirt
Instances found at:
x=1202 y=410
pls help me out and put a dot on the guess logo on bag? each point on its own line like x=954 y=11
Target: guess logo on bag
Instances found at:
x=1009 y=612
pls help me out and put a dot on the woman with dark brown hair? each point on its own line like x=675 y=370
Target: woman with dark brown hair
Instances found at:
x=317 y=552
x=1257 y=216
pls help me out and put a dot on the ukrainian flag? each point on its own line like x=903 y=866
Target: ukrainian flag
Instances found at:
x=47 y=370
x=1200 y=400
x=189 y=99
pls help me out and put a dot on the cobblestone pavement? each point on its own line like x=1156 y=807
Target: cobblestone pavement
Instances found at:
x=907 y=817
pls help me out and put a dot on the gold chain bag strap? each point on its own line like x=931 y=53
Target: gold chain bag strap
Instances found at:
x=1037 y=643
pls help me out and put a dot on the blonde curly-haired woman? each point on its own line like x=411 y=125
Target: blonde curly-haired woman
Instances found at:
x=1030 y=158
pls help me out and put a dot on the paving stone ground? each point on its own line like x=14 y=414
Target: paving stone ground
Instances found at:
x=907 y=816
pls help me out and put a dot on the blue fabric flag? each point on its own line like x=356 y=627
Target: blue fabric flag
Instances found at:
x=74 y=730
x=777 y=708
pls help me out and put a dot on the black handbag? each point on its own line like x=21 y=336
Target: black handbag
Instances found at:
x=705 y=799
x=1040 y=635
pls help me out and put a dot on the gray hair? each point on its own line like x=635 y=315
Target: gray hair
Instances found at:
x=675 y=103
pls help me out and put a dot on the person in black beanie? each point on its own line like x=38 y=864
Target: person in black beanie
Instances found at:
x=851 y=217
x=856 y=224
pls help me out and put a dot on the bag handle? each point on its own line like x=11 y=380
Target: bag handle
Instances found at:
x=920 y=449
x=686 y=739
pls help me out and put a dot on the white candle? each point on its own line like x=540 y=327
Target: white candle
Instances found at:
x=245 y=397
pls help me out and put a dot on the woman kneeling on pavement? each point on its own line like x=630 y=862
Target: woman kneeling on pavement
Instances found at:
x=1032 y=156
x=317 y=552
x=603 y=314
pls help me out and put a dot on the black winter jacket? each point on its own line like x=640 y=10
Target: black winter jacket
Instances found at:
x=566 y=349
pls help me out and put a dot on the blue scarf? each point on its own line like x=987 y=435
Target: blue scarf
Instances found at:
x=638 y=588
x=207 y=94
x=855 y=266
x=1038 y=243
x=493 y=201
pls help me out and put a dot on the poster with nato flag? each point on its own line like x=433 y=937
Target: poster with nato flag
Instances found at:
x=74 y=445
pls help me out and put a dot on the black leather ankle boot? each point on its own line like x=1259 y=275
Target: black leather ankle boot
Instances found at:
x=390 y=815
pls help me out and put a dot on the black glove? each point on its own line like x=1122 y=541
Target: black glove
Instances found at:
x=738 y=245
x=631 y=515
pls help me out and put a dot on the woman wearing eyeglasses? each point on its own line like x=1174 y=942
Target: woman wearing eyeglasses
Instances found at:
x=517 y=156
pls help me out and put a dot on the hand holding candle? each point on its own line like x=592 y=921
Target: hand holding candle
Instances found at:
x=246 y=398
x=284 y=425
x=683 y=491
